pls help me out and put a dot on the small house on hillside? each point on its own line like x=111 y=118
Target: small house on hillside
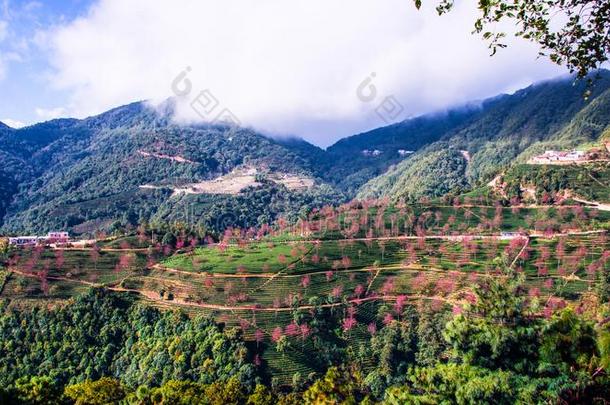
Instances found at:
x=58 y=237
x=375 y=152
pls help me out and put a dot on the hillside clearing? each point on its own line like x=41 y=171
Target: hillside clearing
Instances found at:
x=237 y=181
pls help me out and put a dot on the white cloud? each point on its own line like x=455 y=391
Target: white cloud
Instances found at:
x=13 y=123
x=46 y=114
x=5 y=59
x=3 y=30
x=284 y=66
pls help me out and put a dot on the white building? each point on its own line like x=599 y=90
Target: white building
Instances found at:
x=26 y=240
x=58 y=236
x=52 y=237
x=550 y=156
x=375 y=152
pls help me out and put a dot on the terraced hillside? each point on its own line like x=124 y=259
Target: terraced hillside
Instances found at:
x=306 y=294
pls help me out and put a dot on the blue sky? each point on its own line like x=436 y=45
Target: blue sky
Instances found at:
x=283 y=67
x=24 y=61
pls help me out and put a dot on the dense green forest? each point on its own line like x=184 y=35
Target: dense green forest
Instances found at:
x=499 y=348
x=107 y=335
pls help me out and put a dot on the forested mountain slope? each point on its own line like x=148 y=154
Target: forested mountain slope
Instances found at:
x=7 y=186
x=89 y=173
x=508 y=129
x=358 y=158
x=133 y=164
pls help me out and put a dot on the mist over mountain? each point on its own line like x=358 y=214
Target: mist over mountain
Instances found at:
x=134 y=164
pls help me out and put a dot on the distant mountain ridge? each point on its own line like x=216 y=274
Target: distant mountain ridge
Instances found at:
x=85 y=175
x=353 y=167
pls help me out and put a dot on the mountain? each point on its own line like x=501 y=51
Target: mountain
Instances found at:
x=506 y=129
x=134 y=164
x=358 y=158
x=9 y=165
x=127 y=163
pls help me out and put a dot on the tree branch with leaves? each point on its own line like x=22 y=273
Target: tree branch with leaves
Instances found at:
x=573 y=33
